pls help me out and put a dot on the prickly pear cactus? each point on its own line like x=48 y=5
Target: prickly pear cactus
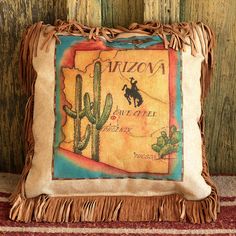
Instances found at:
x=94 y=116
x=175 y=136
x=166 y=145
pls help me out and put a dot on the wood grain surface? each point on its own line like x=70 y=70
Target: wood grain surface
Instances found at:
x=86 y=12
x=220 y=108
x=14 y=17
x=122 y=12
x=165 y=11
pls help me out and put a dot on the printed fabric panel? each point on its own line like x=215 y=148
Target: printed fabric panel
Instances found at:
x=118 y=109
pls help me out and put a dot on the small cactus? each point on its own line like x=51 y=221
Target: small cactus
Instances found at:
x=175 y=136
x=80 y=143
x=95 y=118
x=166 y=145
x=168 y=149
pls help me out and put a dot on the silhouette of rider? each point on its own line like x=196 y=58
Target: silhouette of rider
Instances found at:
x=133 y=83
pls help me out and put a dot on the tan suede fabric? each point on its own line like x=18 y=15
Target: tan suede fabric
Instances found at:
x=39 y=180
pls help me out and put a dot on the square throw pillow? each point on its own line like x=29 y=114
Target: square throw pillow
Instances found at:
x=114 y=124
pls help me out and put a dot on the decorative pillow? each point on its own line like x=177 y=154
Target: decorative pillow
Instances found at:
x=114 y=124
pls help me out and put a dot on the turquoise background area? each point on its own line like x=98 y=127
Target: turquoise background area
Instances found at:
x=67 y=169
x=63 y=167
x=177 y=172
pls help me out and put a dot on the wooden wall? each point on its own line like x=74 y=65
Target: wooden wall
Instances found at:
x=221 y=103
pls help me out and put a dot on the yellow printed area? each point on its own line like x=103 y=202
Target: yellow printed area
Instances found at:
x=127 y=136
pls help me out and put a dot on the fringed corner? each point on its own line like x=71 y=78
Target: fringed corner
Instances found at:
x=114 y=208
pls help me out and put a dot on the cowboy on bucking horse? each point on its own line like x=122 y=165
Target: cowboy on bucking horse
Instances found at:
x=133 y=92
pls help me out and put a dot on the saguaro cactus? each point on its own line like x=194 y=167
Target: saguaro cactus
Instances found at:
x=96 y=119
x=79 y=143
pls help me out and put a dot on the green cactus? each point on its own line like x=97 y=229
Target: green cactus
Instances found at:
x=175 y=136
x=168 y=149
x=95 y=117
x=166 y=145
x=80 y=143
x=156 y=148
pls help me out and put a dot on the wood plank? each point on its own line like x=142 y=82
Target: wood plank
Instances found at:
x=86 y=12
x=14 y=17
x=121 y=12
x=220 y=106
x=165 y=11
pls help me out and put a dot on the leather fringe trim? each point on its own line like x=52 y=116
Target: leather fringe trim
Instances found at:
x=111 y=208
x=114 y=208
